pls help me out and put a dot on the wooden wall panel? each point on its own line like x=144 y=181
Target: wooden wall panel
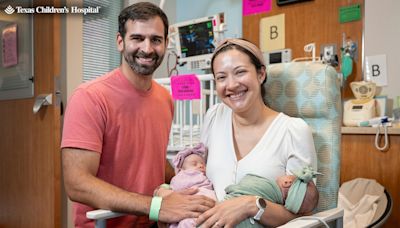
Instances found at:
x=318 y=21
x=312 y=21
x=360 y=158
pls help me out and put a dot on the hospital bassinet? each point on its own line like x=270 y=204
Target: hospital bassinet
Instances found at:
x=189 y=115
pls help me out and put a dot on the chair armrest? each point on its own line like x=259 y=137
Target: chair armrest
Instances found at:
x=101 y=214
x=335 y=214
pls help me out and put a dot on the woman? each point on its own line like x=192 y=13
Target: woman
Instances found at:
x=245 y=136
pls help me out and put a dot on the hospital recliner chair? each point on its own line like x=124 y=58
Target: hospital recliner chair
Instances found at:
x=310 y=91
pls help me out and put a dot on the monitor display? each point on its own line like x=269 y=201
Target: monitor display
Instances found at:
x=196 y=39
x=275 y=58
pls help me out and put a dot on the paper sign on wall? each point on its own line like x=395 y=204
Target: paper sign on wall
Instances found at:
x=272 y=33
x=256 y=6
x=185 y=87
x=375 y=69
x=9 y=42
x=349 y=13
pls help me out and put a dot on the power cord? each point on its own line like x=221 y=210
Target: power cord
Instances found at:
x=176 y=63
x=386 y=140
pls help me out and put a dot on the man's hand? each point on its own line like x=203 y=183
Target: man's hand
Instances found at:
x=184 y=204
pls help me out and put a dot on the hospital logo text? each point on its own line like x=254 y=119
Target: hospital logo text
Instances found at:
x=52 y=9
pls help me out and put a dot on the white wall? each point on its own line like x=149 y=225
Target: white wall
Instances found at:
x=382 y=36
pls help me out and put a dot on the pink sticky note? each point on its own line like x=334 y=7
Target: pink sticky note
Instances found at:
x=9 y=38
x=185 y=87
x=256 y=6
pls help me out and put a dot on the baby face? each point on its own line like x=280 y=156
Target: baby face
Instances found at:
x=284 y=183
x=194 y=162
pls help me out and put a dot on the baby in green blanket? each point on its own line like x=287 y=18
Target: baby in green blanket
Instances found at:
x=297 y=192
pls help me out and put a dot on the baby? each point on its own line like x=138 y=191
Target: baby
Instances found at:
x=297 y=192
x=190 y=169
x=311 y=197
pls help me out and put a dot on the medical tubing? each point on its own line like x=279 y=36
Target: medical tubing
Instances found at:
x=173 y=69
x=373 y=121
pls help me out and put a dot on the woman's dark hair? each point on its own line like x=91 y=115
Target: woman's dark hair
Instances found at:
x=141 y=11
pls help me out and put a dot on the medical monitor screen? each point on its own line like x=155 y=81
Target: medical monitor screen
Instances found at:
x=196 y=39
x=275 y=58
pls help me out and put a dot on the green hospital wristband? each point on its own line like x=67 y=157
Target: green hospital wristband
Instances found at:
x=155 y=207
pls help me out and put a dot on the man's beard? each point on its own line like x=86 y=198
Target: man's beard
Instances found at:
x=143 y=69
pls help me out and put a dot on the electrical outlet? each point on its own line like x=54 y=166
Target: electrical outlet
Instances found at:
x=328 y=51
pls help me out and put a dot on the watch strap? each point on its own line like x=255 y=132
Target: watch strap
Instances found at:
x=260 y=211
x=259 y=214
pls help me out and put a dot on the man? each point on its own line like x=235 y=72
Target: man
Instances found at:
x=116 y=131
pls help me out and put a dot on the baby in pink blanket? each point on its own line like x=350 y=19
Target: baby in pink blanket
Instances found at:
x=190 y=170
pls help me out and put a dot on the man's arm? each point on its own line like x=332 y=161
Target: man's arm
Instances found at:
x=82 y=185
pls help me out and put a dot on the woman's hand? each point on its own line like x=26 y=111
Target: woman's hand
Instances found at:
x=228 y=213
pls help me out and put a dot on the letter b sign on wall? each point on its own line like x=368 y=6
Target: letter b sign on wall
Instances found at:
x=272 y=33
x=375 y=69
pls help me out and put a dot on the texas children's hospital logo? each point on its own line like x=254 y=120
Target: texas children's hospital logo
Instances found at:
x=51 y=9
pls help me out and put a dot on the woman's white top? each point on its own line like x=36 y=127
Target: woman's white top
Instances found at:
x=287 y=145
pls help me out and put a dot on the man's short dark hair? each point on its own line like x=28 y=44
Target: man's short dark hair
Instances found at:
x=141 y=11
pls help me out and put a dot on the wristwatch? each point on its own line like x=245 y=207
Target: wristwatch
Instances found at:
x=261 y=205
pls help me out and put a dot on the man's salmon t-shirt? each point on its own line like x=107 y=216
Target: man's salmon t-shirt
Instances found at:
x=129 y=128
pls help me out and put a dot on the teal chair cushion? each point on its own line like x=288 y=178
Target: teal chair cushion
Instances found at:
x=311 y=91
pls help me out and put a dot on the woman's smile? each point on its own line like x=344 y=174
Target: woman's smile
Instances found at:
x=237 y=96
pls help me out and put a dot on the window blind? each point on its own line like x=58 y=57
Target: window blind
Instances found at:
x=100 y=54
